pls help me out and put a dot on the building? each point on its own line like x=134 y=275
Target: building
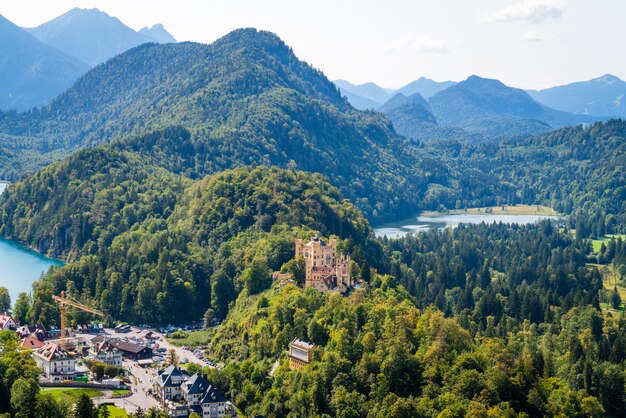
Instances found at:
x=31 y=343
x=169 y=382
x=325 y=268
x=182 y=394
x=7 y=323
x=193 y=391
x=300 y=354
x=215 y=405
x=128 y=350
x=106 y=352
x=37 y=331
x=56 y=363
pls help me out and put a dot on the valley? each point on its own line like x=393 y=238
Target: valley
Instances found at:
x=229 y=198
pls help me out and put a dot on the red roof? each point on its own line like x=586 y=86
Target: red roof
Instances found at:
x=31 y=343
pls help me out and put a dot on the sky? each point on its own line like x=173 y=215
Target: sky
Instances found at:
x=524 y=43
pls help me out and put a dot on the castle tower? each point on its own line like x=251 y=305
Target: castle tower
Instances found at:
x=325 y=269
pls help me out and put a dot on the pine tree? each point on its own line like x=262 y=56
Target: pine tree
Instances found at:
x=85 y=408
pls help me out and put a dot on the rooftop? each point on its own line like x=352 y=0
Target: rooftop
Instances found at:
x=302 y=344
x=119 y=344
x=213 y=395
x=32 y=343
x=52 y=351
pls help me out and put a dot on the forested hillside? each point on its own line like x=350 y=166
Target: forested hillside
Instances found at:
x=515 y=330
x=245 y=99
x=79 y=205
x=576 y=170
x=219 y=228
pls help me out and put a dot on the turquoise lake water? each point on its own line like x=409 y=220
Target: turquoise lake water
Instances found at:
x=19 y=266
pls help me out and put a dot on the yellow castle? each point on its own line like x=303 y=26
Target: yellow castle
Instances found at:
x=325 y=268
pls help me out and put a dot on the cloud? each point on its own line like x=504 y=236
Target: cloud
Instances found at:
x=535 y=36
x=531 y=11
x=423 y=45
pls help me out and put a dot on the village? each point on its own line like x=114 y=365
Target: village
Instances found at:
x=136 y=367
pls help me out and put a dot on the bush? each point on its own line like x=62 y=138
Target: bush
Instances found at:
x=179 y=335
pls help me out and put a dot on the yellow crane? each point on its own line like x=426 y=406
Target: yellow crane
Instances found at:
x=63 y=304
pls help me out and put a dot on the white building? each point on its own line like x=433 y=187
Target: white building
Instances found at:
x=215 y=405
x=193 y=390
x=106 y=353
x=181 y=395
x=57 y=365
x=7 y=322
x=169 y=382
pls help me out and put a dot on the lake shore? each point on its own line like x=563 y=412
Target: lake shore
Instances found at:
x=520 y=214
x=497 y=210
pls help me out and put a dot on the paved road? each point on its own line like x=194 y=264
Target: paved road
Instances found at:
x=139 y=397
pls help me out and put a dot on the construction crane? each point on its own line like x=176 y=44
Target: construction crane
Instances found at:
x=63 y=304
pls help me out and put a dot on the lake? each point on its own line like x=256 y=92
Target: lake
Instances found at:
x=401 y=228
x=20 y=267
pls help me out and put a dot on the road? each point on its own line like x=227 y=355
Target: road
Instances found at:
x=139 y=397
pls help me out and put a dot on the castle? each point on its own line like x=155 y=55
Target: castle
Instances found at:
x=325 y=268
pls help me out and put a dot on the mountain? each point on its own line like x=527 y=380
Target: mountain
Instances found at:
x=489 y=107
x=245 y=99
x=371 y=96
x=369 y=91
x=411 y=118
x=602 y=96
x=158 y=33
x=400 y=99
x=31 y=72
x=359 y=102
x=93 y=36
x=425 y=87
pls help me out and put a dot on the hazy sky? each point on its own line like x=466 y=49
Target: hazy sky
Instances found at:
x=524 y=43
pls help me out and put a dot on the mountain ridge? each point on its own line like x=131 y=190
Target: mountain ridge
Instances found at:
x=32 y=72
x=600 y=96
x=93 y=36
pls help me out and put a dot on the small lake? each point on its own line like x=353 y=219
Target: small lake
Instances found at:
x=20 y=267
x=401 y=228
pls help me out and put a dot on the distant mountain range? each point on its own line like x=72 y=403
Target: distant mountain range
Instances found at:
x=38 y=64
x=93 y=36
x=371 y=96
x=32 y=72
x=479 y=108
x=365 y=96
x=491 y=108
x=602 y=96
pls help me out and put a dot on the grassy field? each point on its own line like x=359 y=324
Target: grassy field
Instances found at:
x=597 y=243
x=120 y=393
x=116 y=412
x=497 y=210
x=71 y=394
x=193 y=339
